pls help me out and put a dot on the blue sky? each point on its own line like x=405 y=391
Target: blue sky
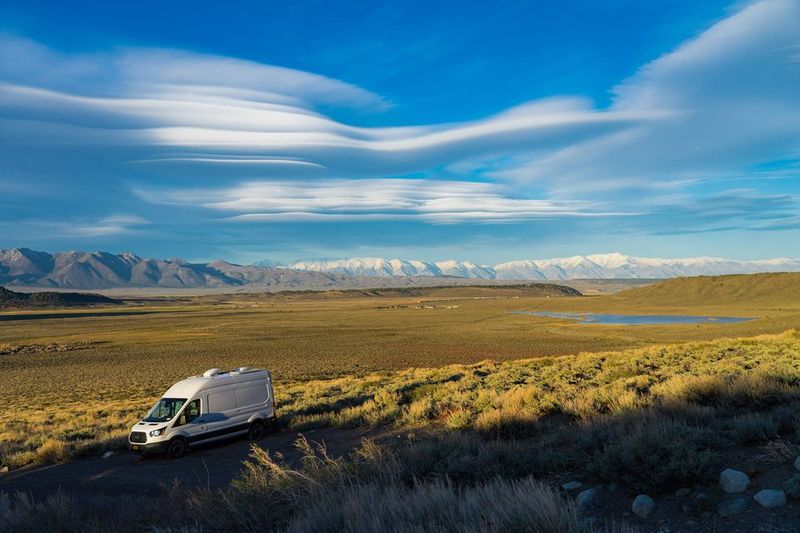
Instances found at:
x=449 y=130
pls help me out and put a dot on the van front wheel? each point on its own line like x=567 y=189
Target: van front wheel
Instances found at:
x=256 y=431
x=176 y=448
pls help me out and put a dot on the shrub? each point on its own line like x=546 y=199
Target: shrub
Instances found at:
x=52 y=451
x=651 y=454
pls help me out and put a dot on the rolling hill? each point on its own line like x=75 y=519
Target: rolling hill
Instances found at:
x=768 y=288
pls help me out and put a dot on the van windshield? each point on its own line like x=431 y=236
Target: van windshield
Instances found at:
x=165 y=410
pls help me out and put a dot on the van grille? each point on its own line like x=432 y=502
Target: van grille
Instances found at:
x=138 y=436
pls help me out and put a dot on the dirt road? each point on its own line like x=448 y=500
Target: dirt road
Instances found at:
x=213 y=465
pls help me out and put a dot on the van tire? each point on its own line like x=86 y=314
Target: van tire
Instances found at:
x=257 y=430
x=176 y=448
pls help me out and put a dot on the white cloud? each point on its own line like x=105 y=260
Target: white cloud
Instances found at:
x=729 y=100
x=372 y=199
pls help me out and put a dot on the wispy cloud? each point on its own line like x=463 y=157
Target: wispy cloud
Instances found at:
x=372 y=199
x=728 y=98
x=75 y=228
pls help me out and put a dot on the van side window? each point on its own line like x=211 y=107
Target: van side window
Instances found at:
x=191 y=412
x=219 y=402
x=248 y=396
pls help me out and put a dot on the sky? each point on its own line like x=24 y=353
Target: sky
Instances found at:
x=422 y=130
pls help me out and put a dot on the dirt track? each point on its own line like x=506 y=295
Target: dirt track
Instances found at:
x=213 y=465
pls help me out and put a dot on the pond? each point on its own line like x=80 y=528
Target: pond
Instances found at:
x=635 y=320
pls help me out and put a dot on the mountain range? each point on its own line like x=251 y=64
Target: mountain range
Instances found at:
x=599 y=266
x=23 y=267
x=102 y=270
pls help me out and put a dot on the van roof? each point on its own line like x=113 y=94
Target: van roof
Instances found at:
x=189 y=387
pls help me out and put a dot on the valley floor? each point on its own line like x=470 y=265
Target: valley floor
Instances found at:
x=497 y=421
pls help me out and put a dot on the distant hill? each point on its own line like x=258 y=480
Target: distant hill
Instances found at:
x=769 y=288
x=456 y=291
x=50 y=299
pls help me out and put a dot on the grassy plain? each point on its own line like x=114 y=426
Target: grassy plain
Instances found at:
x=75 y=381
x=498 y=408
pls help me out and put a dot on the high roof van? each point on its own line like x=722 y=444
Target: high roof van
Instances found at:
x=206 y=408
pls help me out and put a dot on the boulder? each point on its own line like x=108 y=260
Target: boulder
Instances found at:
x=682 y=493
x=643 y=505
x=733 y=481
x=569 y=486
x=732 y=507
x=770 y=498
x=586 y=498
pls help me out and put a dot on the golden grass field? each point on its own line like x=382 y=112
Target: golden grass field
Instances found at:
x=487 y=412
x=73 y=382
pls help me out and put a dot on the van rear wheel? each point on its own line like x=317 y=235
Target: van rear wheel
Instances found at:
x=257 y=431
x=176 y=448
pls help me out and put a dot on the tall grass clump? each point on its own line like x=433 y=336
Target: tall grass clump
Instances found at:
x=497 y=505
x=379 y=488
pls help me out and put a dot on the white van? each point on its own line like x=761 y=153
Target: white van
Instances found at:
x=205 y=408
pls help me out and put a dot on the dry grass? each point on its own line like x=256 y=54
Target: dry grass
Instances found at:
x=482 y=438
x=83 y=381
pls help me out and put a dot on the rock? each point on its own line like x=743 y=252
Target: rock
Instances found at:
x=108 y=454
x=4 y=470
x=571 y=485
x=732 y=507
x=613 y=487
x=643 y=505
x=586 y=498
x=770 y=498
x=733 y=481
x=797 y=464
x=682 y=493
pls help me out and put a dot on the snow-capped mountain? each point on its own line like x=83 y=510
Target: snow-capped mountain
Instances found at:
x=370 y=266
x=466 y=269
x=598 y=266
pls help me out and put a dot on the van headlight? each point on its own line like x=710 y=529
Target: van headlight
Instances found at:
x=157 y=432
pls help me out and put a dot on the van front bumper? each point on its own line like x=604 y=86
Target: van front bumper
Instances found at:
x=154 y=448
